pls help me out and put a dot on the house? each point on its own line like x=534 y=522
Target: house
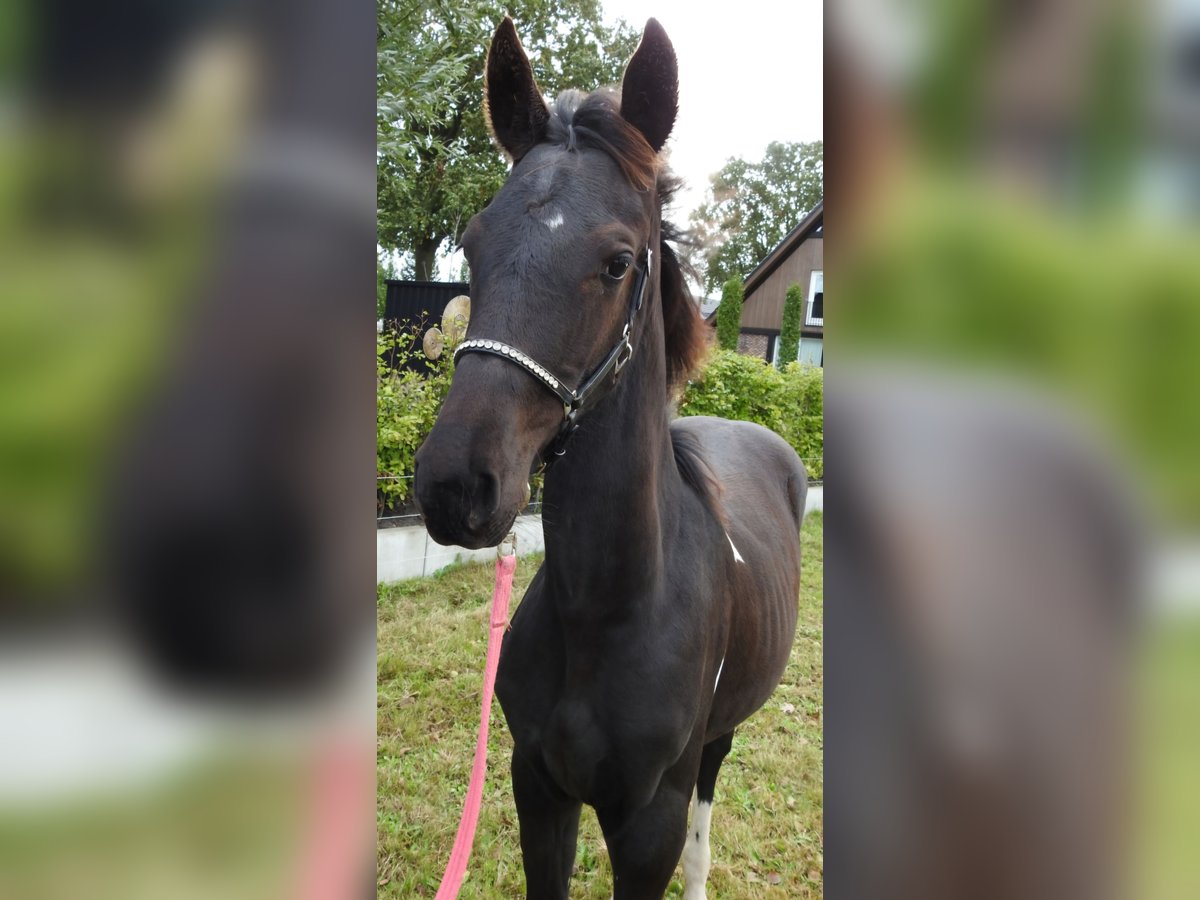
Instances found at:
x=708 y=306
x=798 y=259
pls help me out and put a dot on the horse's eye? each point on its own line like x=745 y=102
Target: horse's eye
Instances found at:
x=618 y=266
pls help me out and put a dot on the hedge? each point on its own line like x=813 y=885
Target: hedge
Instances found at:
x=407 y=404
x=789 y=401
x=733 y=386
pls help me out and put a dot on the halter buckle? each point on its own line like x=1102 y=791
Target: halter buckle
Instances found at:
x=626 y=351
x=508 y=546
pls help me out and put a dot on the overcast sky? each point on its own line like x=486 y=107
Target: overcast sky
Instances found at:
x=748 y=75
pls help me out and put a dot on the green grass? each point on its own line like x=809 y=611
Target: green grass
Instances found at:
x=766 y=830
x=1166 y=818
x=227 y=827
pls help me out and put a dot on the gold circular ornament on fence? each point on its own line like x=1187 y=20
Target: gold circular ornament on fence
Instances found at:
x=433 y=343
x=456 y=317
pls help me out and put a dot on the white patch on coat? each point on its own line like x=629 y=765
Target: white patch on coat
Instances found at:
x=697 y=857
x=737 y=557
x=718 y=678
x=554 y=220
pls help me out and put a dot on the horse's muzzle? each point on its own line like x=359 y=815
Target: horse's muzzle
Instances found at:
x=460 y=507
x=473 y=469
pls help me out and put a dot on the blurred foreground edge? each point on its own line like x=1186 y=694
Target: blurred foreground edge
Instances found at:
x=1011 y=428
x=237 y=533
x=193 y=400
x=981 y=573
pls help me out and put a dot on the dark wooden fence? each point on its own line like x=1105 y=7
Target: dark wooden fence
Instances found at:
x=420 y=304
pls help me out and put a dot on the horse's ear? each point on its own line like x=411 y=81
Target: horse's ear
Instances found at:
x=650 y=88
x=513 y=105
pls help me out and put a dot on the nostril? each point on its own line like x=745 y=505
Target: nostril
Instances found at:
x=485 y=497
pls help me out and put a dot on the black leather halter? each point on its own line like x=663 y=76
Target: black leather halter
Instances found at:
x=595 y=386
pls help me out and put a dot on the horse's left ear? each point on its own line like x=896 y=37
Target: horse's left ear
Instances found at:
x=650 y=88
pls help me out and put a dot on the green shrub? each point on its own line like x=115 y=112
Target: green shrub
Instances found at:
x=731 y=386
x=802 y=422
x=789 y=331
x=407 y=405
x=729 y=314
x=788 y=401
x=384 y=269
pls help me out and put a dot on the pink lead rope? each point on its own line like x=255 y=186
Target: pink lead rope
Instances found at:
x=456 y=868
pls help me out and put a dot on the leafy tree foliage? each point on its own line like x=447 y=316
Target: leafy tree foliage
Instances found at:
x=729 y=314
x=384 y=269
x=437 y=166
x=750 y=206
x=789 y=331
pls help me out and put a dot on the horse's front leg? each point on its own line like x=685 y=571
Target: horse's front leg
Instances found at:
x=549 y=824
x=645 y=847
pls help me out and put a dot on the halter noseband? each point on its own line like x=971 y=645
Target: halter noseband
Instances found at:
x=595 y=386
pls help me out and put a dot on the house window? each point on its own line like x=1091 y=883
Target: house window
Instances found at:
x=812 y=351
x=816 y=299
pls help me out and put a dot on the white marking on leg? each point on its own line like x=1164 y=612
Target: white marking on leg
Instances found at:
x=718 y=678
x=697 y=856
x=736 y=556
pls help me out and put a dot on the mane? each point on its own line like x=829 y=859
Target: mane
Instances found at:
x=694 y=469
x=594 y=120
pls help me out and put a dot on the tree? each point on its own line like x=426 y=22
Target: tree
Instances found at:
x=750 y=207
x=789 y=332
x=729 y=314
x=436 y=163
x=384 y=269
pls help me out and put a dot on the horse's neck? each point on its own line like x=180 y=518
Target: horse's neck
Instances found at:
x=608 y=500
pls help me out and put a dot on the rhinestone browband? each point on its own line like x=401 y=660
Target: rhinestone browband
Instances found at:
x=512 y=353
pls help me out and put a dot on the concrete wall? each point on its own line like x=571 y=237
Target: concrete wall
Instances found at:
x=402 y=553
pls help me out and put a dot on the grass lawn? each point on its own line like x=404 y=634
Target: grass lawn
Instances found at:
x=766 y=830
x=1166 y=790
x=225 y=828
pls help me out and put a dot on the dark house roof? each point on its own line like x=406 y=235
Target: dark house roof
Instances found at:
x=813 y=225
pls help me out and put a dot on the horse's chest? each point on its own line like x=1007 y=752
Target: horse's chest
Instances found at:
x=606 y=761
x=603 y=739
x=605 y=714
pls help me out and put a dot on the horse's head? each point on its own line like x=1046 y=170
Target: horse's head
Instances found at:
x=558 y=260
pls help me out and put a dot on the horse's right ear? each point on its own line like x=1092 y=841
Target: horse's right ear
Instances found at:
x=513 y=105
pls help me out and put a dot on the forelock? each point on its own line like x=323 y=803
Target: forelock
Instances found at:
x=594 y=120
